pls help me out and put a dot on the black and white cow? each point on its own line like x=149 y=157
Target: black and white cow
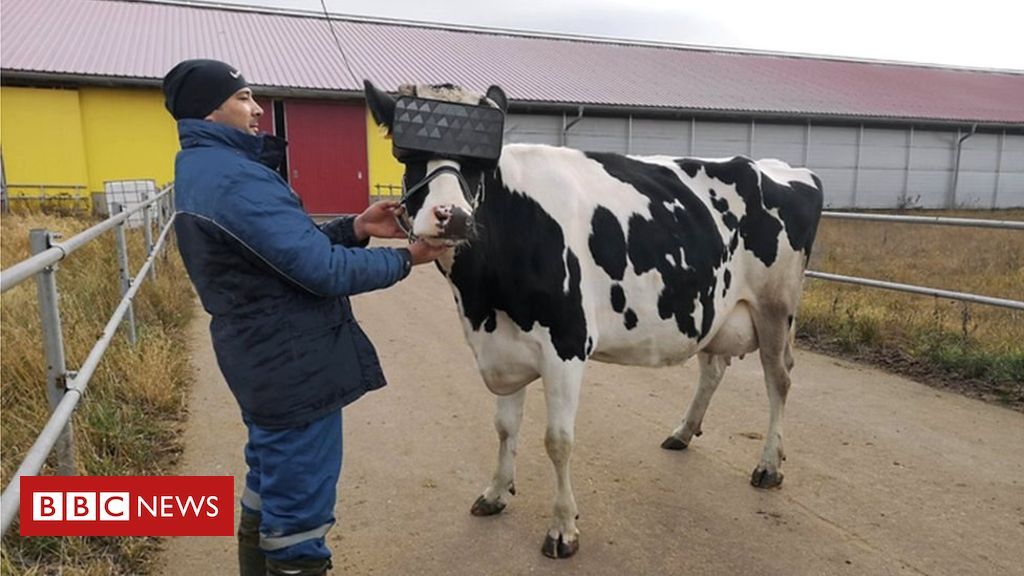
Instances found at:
x=562 y=256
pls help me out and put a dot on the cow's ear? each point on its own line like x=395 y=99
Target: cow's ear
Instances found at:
x=381 y=105
x=497 y=95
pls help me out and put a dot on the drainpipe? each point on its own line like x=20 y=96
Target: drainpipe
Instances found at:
x=951 y=201
x=566 y=127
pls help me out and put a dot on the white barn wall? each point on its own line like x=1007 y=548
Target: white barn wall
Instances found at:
x=833 y=155
x=883 y=167
x=599 y=135
x=652 y=137
x=1011 y=175
x=869 y=167
x=721 y=139
x=931 y=168
x=787 y=142
x=979 y=160
x=533 y=129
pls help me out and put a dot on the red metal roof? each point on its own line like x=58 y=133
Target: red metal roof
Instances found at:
x=142 y=40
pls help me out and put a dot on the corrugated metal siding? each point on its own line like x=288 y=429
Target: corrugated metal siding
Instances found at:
x=140 y=40
x=1011 y=177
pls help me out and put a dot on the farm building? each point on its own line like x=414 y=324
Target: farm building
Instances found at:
x=81 y=103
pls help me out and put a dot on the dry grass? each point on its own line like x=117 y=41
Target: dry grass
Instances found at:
x=129 y=419
x=976 y=349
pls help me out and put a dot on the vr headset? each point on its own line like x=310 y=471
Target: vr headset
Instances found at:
x=438 y=129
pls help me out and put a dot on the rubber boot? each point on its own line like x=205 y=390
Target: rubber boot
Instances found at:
x=251 y=561
x=298 y=567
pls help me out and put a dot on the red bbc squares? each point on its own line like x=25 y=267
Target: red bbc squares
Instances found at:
x=127 y=506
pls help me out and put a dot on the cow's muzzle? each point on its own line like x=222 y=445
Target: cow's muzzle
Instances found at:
x=453 y=223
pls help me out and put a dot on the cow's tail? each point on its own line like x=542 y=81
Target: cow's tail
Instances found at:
x=816 y=198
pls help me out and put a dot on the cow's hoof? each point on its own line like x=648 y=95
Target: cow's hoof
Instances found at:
x=673 y=443
x=764 y=478
x=484 y=508
x=558 y=548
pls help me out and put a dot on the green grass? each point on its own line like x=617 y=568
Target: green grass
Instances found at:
x=129 y=420
x=976 y=349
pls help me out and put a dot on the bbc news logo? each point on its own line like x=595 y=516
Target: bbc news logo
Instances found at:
x=81 y=506
x=127 y=506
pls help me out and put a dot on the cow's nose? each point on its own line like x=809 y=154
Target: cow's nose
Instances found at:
x=453 y=222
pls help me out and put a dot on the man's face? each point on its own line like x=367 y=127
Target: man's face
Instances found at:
x=239 y=111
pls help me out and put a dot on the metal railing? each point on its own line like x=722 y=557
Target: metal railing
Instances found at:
x=65 y=387
x=68 y=196
x=939 y=220
x=936 y=292
x=76 y=189
x=386 y=192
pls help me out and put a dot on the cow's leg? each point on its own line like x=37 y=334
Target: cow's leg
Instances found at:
x=562 y=393
x=776 y=360
x=711 y=370
x=507 y=417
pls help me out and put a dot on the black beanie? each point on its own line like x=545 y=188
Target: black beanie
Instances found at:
x=194 y=88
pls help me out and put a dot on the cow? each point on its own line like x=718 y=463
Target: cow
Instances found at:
x=562 y=256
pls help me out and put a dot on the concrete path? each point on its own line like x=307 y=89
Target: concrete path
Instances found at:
x=884 y=476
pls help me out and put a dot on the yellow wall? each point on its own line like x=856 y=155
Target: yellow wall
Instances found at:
x=41 y=136
x=383 y=167
x=128 y=135
x=85 y=137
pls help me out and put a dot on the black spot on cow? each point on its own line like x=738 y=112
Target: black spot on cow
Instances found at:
x=518 y=264
x=760 y=230
x=629 y=319
x=726 y=281
x=618 y=298
x=680 y=223
x=722 y=205
x=491 y=324
x=590 y=345
x=608 y=243
x=799 y=205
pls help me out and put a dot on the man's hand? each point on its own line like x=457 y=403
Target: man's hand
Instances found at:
x=423 y=252
x=379 y=221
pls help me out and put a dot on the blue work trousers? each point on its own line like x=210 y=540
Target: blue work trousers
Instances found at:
x=292 y=484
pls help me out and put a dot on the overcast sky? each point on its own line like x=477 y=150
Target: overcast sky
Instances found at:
x=973 y=33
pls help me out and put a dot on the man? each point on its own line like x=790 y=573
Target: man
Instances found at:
x=277 y=288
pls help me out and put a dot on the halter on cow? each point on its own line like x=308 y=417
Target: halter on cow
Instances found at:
x=562 y=256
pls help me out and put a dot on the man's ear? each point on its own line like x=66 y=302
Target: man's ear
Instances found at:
x=497 y=95
x=381 y=105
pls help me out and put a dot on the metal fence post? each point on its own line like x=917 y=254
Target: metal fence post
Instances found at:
x=126 y=279
x=172 y=239
x=53 y=343
x=147 y=225
x=159 y=215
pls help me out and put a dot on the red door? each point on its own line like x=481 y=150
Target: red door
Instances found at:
x=327 y=155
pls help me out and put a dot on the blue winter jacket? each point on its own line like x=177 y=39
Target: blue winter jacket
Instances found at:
x=275 y=283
